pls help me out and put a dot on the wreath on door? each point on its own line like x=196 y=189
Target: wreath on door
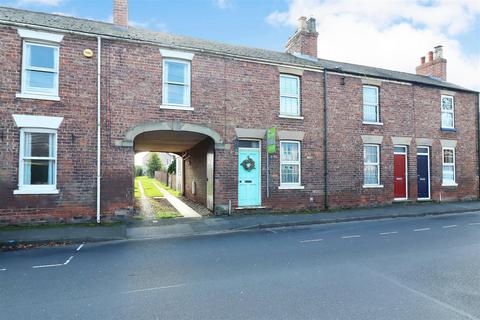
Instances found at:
x=248 y=164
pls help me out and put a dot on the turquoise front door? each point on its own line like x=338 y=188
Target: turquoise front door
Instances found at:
x=249 y=177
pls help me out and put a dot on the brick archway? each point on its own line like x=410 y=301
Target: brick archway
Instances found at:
x=130 y=135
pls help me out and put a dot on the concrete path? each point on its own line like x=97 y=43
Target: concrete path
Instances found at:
x=145 y=206
x=178 y=204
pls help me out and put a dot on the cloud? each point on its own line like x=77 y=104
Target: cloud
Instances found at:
x=392 y=34
x=222 y=4
x=53 y=3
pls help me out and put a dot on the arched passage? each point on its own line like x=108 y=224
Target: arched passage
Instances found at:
x=194 y=144
x=175 y=126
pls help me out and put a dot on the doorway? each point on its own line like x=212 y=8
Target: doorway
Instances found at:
x=400 y=183
x=249 y=173
x=423 y=173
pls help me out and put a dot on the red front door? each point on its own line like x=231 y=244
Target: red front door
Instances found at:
x=399 y=176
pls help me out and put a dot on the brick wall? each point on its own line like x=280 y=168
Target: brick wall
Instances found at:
x=76 y=135
x=406 y=111
x=195 y=171
x=226 y=94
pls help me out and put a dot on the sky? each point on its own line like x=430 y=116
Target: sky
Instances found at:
x=390 y=34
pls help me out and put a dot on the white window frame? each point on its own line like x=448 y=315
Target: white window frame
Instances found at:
x=165 y=103
x=453 y=165
x=290 y=185
x=38 y=93
x=36 y=189
x=444 y=111
x=377 y=106
x=378 y=163
x=297 y=96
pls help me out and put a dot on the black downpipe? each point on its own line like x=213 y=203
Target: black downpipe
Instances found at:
x=325 y=153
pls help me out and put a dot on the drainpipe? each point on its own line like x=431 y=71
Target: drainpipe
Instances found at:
x=99 y=127
x=325 y=153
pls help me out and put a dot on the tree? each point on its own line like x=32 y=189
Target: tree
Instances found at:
x=172 y=168
x=153 y=164
x=138 y=171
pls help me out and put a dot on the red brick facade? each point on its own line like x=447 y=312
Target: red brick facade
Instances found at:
x=226 y=94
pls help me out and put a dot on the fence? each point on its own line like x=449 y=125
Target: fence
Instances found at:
x=167 y=179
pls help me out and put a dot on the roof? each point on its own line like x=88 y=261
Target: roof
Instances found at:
x=72 y=24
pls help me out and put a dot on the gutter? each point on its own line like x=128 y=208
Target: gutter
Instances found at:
x=99 y=127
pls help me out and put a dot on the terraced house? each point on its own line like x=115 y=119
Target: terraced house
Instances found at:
x=256 y=129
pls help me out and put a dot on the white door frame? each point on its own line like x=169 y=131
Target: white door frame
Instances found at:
x=428 y=168
x=259 y=167
x=405 y=153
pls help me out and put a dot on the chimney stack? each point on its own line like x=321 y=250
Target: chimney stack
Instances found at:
x=304 y=41
x=435 y=66
x=120 y=12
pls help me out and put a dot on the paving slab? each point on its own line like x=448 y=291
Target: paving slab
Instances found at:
x=211 y=225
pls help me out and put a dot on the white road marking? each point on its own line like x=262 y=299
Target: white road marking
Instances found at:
x=80 y=246
x=311 y=240
x=450 y=226
x=48 y=265
x=157 y=288
x=474 y=224
x=422 y=229
x=68 y=261
x=3 y=269
x=349 y=237
x=54 y=265
x=272 y=231
x=386 y=233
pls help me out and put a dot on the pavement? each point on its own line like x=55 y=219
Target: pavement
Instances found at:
x=168 y=228
x=398 y=269
x=181 y=227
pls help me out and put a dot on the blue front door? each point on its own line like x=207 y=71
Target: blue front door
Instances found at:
x=248 y=177
x=423 y=176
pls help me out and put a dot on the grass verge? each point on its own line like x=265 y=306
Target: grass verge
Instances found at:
x=163 y=209
x=173 y=192
x=136 y=191
x=148 y=187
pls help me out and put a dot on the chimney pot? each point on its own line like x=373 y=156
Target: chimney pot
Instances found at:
x=430 y=56
x=311 y=25
x=120 y=12
x=302 y=23
x=438 y=52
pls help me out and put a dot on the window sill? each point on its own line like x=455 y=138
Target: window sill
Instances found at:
x=448 y=129
x=164 y=106
x=372 y=186
x=290 y=117
x=373 y=123
x=36 y=96
x=293 y=187
x=450 y=184
x=35 y=191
